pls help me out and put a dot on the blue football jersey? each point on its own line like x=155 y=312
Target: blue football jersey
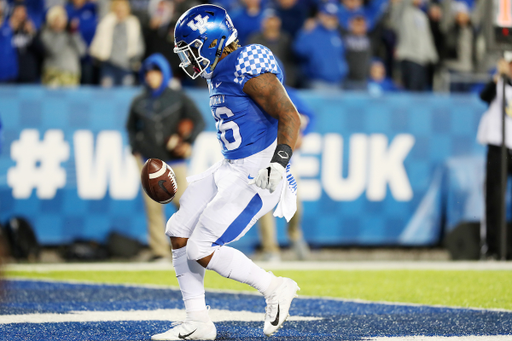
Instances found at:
x=243 y=128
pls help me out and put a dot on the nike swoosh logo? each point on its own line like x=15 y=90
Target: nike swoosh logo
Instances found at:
x=218 y=84
x=276 y=321
x=161 y=185
x=250 y=177
x=185 y=336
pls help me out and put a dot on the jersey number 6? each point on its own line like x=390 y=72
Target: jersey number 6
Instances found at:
x=220 y=115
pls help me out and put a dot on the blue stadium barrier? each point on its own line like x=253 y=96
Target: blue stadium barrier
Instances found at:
x=384 y=170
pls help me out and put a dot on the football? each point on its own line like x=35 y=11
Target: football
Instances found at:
x=158 y=181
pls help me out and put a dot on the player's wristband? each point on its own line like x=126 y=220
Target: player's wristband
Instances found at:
x=282 y=155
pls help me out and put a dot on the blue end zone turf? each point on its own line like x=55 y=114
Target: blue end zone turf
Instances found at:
x=341 y=320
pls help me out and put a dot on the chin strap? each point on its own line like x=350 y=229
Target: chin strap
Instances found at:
x=218 y=54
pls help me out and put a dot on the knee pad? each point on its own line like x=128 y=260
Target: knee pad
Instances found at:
x=168 y=228
x=193 y=250
x=173 y=228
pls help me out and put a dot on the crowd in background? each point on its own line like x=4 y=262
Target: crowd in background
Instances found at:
x=370 y=45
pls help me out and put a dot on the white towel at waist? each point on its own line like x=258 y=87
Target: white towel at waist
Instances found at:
x=287 y=205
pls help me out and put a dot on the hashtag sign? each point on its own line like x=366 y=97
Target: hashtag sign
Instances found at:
x=38 y=164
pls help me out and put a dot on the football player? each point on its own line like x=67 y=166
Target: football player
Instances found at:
x=257 y=127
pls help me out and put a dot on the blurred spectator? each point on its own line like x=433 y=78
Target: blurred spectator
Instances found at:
x=247 y=19
x=35 y=10
x=181 y=6
x=50 y=3
x=459 y=40
x=384 y=41
x=293 y=14
x=63 y=47
x=163 y=123
x=372 y=12
x=320 y=49
x=358 y=54
x=375 y=10
x=159 y=34
x=103 y=7
x=139 y=9
x=119 y=45
x=378 y=83
x=229 y=5
x=459 y=46
x=485 y=60
x=278 y=42
x=83 y=13
x=415 y=50
x=349 y=9
x=9 y=64
x=436 y=21
x=469 y=3
x=28 y=45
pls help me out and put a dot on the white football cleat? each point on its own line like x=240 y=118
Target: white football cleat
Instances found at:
x=278 y=304
x=189 y=330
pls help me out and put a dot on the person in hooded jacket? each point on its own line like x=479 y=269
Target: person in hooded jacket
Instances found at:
x=162 y=123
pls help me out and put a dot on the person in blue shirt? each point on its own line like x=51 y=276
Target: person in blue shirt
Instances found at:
x=35 y=10
x=28 y=45
x=349 y=9
x=293 y=14
x=248 y=19
x=84 y=13
x=9 y=63
x=320 y=50
x=372 y=12
x=257 y=128
x=378 y=82
x=470 y=3
x=228 y=5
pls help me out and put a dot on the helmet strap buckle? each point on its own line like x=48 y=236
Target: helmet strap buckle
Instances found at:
x=218 y=53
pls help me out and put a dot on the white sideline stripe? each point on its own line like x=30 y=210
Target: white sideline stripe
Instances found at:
x=217 y=315
x=160 y=172
x=328 y=265
x=444 y=338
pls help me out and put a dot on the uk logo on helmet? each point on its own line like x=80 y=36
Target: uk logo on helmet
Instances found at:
x=200 y=24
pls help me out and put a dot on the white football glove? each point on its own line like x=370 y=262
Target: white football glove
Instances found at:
x=269 y=178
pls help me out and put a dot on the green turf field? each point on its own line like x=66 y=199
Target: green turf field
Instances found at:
x=459 y=288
